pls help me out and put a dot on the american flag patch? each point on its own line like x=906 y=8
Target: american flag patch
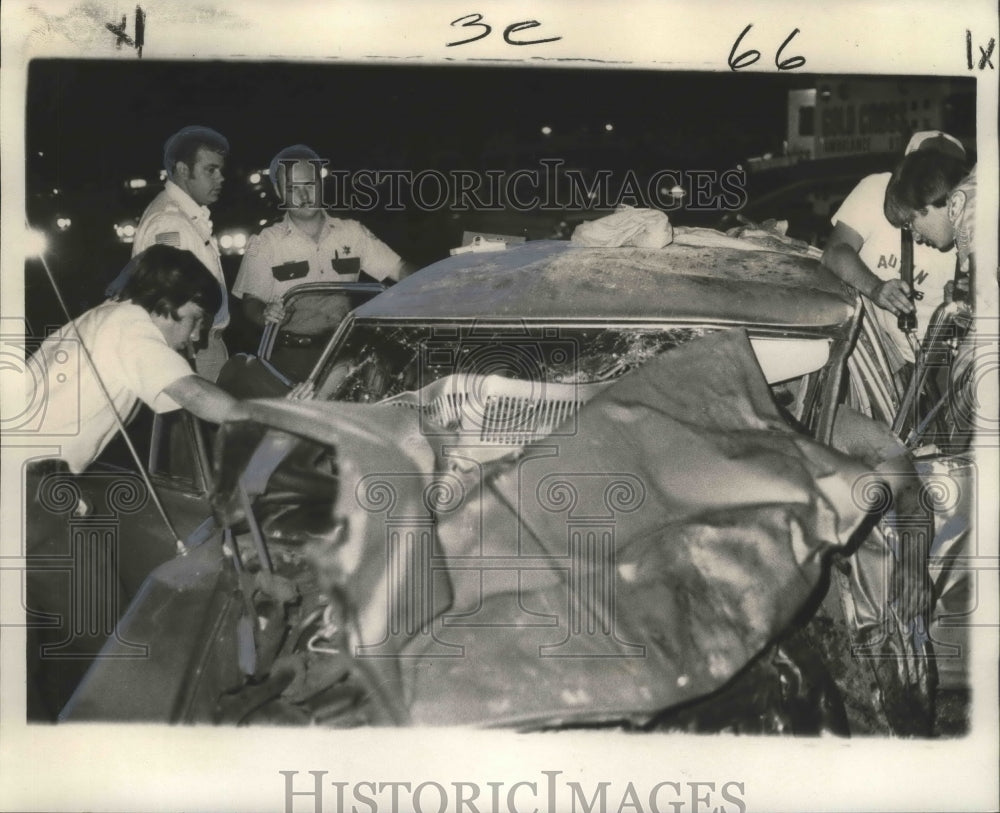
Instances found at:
x=170 y=238
x=252 y=248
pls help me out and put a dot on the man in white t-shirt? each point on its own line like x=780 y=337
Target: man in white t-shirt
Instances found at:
x=864 y=250
x=132 y=344
x=306 y=245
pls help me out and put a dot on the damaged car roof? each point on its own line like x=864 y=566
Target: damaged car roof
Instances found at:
x=732 y=282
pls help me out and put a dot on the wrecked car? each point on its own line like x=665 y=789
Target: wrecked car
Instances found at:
x=546 y=487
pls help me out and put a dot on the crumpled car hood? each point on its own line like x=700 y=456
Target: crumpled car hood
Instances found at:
x=635 y=561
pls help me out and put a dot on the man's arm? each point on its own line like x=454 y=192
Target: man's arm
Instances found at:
x=209 y=402
x=254 y=284
x=841 y=257
x=378 y=260
x=204 y=399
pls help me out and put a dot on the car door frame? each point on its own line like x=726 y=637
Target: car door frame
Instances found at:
x=267 y=340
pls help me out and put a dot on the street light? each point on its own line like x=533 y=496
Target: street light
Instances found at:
x=35 y=243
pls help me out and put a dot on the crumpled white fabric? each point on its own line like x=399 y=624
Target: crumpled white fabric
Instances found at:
x=644 y=228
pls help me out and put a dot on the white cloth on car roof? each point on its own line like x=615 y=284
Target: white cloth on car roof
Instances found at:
x=644 y=228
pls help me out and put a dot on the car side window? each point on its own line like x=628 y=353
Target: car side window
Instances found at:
x=166 y=445
x=796 y=398
x=139 y=425
x=176 y=453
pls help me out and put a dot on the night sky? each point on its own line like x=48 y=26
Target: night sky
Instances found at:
x=93 y=124
x=98 y=119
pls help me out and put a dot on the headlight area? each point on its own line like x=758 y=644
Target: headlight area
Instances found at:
x=125 y=230
x=233 y=241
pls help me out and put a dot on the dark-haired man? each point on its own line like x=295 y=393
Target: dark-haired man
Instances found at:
x=918 y=197
x=193 y=158
x=864 y=248
x=132 y=344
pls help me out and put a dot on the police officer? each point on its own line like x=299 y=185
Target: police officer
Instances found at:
x=306 y=245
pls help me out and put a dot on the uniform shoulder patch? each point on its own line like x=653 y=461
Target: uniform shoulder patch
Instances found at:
x=170 y=238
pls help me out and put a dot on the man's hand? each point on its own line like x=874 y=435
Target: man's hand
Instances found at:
x=893 y=295
x=274 y=312
x=262 y=313
x=841 y=257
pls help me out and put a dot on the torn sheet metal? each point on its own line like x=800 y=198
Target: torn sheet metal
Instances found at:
x=606 y=574
x=654 y=553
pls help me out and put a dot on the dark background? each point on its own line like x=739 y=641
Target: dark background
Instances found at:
x=99 y=118
x=93 y=124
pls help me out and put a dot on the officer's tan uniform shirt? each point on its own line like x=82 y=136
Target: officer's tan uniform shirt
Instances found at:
x=283 y=256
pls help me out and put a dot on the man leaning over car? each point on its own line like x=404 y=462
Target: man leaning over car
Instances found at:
x=129 y=351
x=864 y=249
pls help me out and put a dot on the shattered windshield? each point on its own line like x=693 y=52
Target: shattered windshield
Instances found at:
x=379 y=361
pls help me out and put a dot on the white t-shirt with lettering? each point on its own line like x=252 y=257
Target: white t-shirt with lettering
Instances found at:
x=863 y=211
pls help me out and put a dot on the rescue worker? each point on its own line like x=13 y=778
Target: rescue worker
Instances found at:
x=306 y=245
x=864 y=251
x=179 y=216
x=125 y=350
x=132 y=345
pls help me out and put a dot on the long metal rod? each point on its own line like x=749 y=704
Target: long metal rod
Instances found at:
x=909 y=400
x=181 y=548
